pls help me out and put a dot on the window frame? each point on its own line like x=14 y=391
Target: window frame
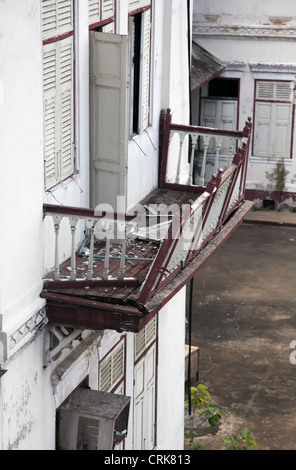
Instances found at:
x=257 y=100
x=139 y=120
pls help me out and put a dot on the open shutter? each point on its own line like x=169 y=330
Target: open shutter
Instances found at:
x=108 y=116
x=135 y=4
x=145 y=71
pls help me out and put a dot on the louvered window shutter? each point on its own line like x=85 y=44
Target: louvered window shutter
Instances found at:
x=57 y=17
x=145 y=71
x=50 y=114
x=274 y=91
x=58 y=110
x=112 y=368
x=66 y=108
x=94 y=11
x=135 y=4
x=58 y=84
x=108 y=9
x=145 y=337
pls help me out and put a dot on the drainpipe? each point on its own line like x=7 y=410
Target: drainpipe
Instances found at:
x=189 y=344
x=189 y=56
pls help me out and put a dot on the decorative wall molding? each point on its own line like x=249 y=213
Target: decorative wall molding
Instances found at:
x=11 y=342
x=274 y=32
x=287 y=71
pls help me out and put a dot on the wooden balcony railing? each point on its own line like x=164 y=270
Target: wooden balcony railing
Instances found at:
x=203 y=142
x=200 y=212
x=114 y=229
x=192 y=229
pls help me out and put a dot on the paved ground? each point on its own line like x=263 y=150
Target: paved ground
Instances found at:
x=244 y=319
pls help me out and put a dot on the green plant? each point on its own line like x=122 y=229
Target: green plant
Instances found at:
x=278 y=177
x=205 y=410
x=202 y=402
x=242 y=442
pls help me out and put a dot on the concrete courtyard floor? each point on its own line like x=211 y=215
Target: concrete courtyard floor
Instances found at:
x=244 y=320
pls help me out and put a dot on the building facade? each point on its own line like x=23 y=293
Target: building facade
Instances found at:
x=53 y=152
x=92 y=339
x=253 y=49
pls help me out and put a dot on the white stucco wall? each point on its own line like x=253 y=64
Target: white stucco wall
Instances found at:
x=21 y=137
x=27 y=403
x=170 y=386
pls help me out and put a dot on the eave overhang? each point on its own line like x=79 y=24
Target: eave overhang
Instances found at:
x=204 y=67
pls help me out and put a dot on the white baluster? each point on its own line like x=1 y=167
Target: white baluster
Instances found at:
x=194 y=138
x=57 y=220
x=122 y=259
x=73 y=223
x=182 y=137
x=218 y=148
x=206 y=140
x=230 y=152
x=167 y=166
x=107 y=252
x=90 y=224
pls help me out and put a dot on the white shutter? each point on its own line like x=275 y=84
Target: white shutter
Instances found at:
x=145 y=71
x=135 y=4
x=219 y=114
x=65 y=16
x=265 y=90
x=145 y=337
x=57 y=17
x=263 y=132
x=50 y=114
x=50 y=156
x=144 y=409
x=112 y=369
x=274 y=91
x=49 y=18
x=58 y=111
x=66 y=108
x=108 y=116
x=108 y=9
x=282 y=130
x=94 y=11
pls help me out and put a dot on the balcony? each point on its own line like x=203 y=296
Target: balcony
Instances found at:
x=130 y=265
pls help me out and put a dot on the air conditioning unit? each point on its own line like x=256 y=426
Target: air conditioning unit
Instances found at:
x=92 y=420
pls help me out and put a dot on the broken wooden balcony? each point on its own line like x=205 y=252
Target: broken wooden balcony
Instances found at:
x=130 y=265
